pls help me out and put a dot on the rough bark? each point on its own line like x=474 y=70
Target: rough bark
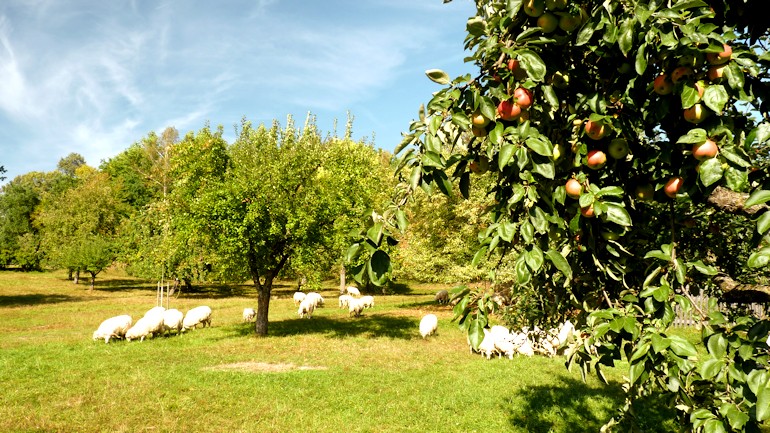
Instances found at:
x=343 y=282
x=732 y=202
x=734 y=291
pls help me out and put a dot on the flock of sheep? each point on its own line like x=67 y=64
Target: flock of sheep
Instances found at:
x=497 y=339
x=156 y=321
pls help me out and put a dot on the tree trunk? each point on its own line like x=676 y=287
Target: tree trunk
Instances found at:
x=263 y=305
x=69 y=274
x=77 y=276
x=343 y=283
x=733 y=291
x=93 y=281
x=732 y=202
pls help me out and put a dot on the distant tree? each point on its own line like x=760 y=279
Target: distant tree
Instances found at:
x=79 y=226
x=2 y=170
x=19 y=242
x=70 y=163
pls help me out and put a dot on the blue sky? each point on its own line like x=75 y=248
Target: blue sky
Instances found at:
x=93 y=77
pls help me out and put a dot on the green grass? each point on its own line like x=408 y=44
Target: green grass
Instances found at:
x=367 y=374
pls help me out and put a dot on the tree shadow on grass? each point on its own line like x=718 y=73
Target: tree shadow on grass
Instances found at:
x=35 y=299
x=371 y=326
x=575 y=407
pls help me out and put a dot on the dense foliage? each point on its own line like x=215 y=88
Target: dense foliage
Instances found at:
x=617 y=131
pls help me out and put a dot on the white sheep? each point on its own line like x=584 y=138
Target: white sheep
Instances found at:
x=504 y=346
x=487 y=346
x=442 y=297
x=147 y=326
x=344 y=300
x=114 y=327
x=367 y=301
x=298 y=297
x=198 y=315
x=500 y=332
x=428 y=325
x=526 y=348
x=155 y=310
x=355 y=307
x=353 y=291
x=306 y=308
x=172 y=321
x=566 y=333
x=316 y=298
x=249 y=314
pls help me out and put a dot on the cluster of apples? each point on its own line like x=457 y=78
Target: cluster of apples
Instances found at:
x=552 y=19
x=664 y=84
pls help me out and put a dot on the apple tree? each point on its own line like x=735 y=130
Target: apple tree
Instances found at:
x=615 y=128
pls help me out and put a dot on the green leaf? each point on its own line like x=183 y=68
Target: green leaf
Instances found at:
x=710 y=171
x=641 y=60
x=539 y=146
x=659 y=343
x=711 y=367
x=681 y=347
x=415 y=176
x=465 y=184
x=504 y=157
x=714 y=426
x=689 y=95
x=533 y=64
x=759 y=196
x=480 y=254
x=513 y=7
x=763 y=223
x=442 y=181
x=437 y=76
x=534 y=258
x=734 y=74
x=734 y=416
x=432 y=159
x=697 y=135
x=560 y=263
x=522 y=272
x=715 y=97
x=763 y=403
x=401 y=220
x=352 y=252
x=487 y=108
x=635 y=371
x=585 y=33
x=759 y=259
x=476 y=333
x=379 y=267
x=618 y=214
x=375 y=233
x=476 y=26
x=733 y=157
x=496 y=134
x=717 y=345
x=506 y=230
x=550 y=96
x=626 y=35
x=704 y=268
x=544 y=168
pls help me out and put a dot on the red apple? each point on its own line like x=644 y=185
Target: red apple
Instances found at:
x=595 y=130
x=515 y=67
x=574 y=188
x=596 y=159
x=695 y=114
x=662 y=85
x=673 y=186
x=522 y=97
x=721 y=57
x=618 y=148
x=587 y=212
x=707 y=149
x=715 y=73
x=681 y=73
x=479 y=131
x=548 y=22
x=508 y=110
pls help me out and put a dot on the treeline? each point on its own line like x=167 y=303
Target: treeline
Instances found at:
x=278 y=202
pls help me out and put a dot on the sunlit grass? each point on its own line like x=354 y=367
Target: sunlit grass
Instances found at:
x=328 y=374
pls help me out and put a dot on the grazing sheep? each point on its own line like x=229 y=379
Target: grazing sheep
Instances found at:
x=353 y=291
x=316 y=298
x=504 y=346
x=355 y=307
x=298 y=297
x=306 y=308
x=344 y=300
x=428 y=325
x=487 y=346
x=526 y=348
x=198 y=315
x=155 y=310
x=500 y=332
x=442 y=297
x=367 y=301
x=114 y=327
x=172 y=321
x=249 y=314
x=566 y=333
x=147 y=326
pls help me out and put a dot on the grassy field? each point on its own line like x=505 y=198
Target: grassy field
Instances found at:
x=327 y=374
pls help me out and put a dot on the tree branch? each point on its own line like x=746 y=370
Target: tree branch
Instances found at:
x=734 y=291
x=732 y=202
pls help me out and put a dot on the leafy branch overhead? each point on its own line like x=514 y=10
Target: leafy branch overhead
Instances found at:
x=612 y=128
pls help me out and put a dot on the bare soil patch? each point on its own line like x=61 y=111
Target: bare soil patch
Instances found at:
x=262 y=367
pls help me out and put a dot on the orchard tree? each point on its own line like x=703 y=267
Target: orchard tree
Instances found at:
x=610 y=125
x=281 y=196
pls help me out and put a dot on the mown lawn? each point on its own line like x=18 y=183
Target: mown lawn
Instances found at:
x=328 y=374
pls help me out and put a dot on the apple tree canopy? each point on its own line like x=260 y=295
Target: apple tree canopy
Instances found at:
x=621 y=96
